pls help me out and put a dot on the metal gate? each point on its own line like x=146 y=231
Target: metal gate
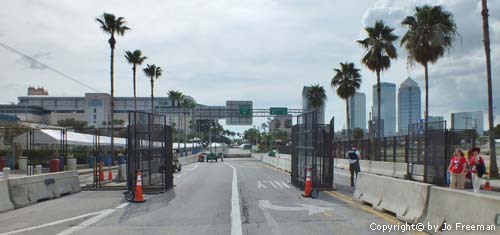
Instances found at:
x=150 y=151
x=312 y=147
x=427 y=150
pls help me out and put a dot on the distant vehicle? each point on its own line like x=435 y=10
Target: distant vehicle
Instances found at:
x=212 y=156
x=246 y=147
x=201 y=157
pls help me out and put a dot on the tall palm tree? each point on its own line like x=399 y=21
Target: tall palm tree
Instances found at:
x=486 y=36
x=431 y=31
x=316 y=96
x=112 y=25
x=347 y=80
x=379 y=52
x=135 y=58
x=153 y=73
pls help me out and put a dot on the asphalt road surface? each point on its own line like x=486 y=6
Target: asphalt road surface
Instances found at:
x=240 y=196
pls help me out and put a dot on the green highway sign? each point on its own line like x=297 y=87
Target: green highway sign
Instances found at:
x=245 y=110
x=278 y=111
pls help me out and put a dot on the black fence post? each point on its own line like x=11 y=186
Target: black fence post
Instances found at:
x=394 y=145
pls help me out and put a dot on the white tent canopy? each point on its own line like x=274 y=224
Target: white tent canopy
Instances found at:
x=49 y=137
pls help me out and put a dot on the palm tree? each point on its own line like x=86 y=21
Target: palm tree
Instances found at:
x=379 y=52
x=135 y=58
x=153 y=73
x=486 y=36
x=347 y=80
x=112 y=25
x=431 y=31
x=316 y=96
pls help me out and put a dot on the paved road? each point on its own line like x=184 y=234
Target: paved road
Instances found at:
x=206 y=200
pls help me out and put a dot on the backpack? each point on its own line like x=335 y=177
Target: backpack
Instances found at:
x=480 y=167
x=353 y=157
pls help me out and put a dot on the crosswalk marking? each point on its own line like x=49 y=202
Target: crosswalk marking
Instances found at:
x=274 y=183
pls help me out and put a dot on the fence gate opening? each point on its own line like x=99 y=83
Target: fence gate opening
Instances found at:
x=150 y=151
x=312 y=147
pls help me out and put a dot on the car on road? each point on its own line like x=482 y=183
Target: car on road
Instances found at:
x=212 y=156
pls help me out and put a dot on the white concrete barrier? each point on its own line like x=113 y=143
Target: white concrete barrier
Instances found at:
x=281 y=161
x=72 y=164
x=406 y=199
x=5 y=203
x=28 y=190
x=189 y=159
x=381 y=168
x=455 y=207
x=342 y=163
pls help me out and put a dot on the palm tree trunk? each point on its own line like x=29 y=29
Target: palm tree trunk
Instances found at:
x=135 y=99
x=348 y=119
x=426 y=116
x=112 y=99
x=491 y=137
x=378 y=115
x=152 y=96
x=426 y=78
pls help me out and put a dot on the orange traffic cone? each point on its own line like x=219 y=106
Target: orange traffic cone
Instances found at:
x=487 y=185
x=101 y=171
x=138 y=197
x=308 y=184
x=110 y=174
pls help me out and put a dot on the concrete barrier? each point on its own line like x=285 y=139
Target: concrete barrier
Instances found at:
x=189 y=159
x=28 y=190
x=406 y=199
x=5 y=203
x=455 y=207
x=342 y=163
x=381 y=168
x=281 y=161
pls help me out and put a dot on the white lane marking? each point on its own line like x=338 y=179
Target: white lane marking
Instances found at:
x=194 y=168
x=260 y=185
x=53 y=223
x=281 y=184
x=236 y=228
x=271 y=183
x=311 y=209
x=271 y=221
x=122 y=205
x=86 y=223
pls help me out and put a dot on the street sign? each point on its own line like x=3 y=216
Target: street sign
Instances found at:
x=245 y=110
x=278 y=111
x=239 y=112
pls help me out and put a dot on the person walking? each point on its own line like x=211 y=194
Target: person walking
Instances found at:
x=457 y=170
x=354 y=156
x=478 y=168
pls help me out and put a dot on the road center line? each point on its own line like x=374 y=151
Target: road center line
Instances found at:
x=236 y=228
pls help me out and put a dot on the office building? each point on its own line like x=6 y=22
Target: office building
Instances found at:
x=357 y=111
x=387 y=107
x=468 y=120
x=409 y=105
x=306 y=107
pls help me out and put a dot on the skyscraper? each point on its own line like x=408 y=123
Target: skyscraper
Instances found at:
x=387 y=107
x=357 y=111
x=306 y=107
x=409 y=105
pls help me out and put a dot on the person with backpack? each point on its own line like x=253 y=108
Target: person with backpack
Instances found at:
x=478 y=169
x=457 y=170
x=354 y=156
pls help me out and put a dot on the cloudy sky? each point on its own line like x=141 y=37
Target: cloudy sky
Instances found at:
x=260 y=50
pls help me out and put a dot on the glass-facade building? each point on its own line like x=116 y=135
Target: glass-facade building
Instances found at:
x=409 y=105
x=387 y=107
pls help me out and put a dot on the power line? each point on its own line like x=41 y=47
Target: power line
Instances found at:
x=47 y=66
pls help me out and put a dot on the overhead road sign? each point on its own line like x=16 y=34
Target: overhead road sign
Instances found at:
x=278 y=111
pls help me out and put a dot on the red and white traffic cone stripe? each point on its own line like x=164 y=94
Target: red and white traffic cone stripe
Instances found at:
x=138 y=197
x=308 y=184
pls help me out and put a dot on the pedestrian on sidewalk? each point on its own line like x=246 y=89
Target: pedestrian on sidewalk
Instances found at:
x=354 y=156
x=478 y=168
x=457 y=170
